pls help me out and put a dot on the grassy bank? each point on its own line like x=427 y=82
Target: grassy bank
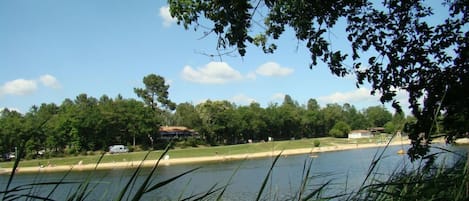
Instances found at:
x=195 y=152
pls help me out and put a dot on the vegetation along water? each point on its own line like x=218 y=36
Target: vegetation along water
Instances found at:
x=342 y=171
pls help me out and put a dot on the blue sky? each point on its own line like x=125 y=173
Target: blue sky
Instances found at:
x=52 y=50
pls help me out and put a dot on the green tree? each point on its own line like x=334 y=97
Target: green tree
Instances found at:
x=11 y=129
x=310 y=119
x=313 y=105
x=354 y=118
x=41 y=117
x=232 y=133
x=156 y=96
x=274 y=121
x=291 y=119
x=186 y=115
x=57 y=130
x=396 y=124
x=215 y=117
x=377 y=115
x=155 y=93
x=394 y=45
x=126 y=121
x=289 y=102
x=253 y=122
x=332 y=114
x=22 y=132
x=61 y=127
x=340 y=130
x=139 y=125
x=310 y=123
x=390 y=127
x=86 y=122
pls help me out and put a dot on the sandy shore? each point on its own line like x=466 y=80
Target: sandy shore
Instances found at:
x=191 y=160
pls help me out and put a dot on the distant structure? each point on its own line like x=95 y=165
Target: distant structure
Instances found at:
x=176 y=132
x=377 y=130
x=355 y=134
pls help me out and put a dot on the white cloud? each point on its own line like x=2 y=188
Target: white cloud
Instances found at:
x=363 y=97
x=361 y=94
x=21 y=87
x=273 y=69
x=251 y=76
x=166 y=15
x=168 y=82
x=18 y=87
x=212 y=73
x=50 y=81
x=278 y=97
x=242 y=99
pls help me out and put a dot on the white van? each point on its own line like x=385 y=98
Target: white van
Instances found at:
x=118 y=149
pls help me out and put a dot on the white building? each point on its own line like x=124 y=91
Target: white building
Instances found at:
x=359 y=134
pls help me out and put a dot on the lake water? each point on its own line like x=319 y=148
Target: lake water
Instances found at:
x=346 y=170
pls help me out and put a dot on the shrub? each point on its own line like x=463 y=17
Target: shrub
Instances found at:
x=71 y=151
x=316 y=143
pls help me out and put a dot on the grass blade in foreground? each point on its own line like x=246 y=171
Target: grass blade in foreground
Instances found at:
x=219 y=198
x=138 y=195
x=132 y=178
x=267 y=177
x=13 y=171
x=61 y=182
x=203 y=196
x=168 y=181
x=82 y=190
x=306 y=172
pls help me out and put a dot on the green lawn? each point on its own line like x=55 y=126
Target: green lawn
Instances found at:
x=192 y=152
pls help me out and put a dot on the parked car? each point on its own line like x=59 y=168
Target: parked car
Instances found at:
x=118 y=149
x=9 y=156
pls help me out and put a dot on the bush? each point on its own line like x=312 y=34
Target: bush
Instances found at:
x=72 y=151
x=316 y=143
x=57 y=154
x=131 y=148
x=144 y=147
x=181 y=144
x=30 y=156
x=162 y=145
x=189 y=142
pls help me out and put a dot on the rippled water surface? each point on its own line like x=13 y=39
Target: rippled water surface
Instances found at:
x=345 y=169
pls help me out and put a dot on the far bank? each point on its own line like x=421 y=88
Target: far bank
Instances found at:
x=200 y=155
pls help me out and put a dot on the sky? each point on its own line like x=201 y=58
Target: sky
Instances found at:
x=52 y=50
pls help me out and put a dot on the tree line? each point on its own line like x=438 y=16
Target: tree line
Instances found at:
x=227 y=123
x=89 y=124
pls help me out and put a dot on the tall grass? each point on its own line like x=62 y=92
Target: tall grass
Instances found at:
x=131 y=190
x=441 y=181
x=434 y=183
